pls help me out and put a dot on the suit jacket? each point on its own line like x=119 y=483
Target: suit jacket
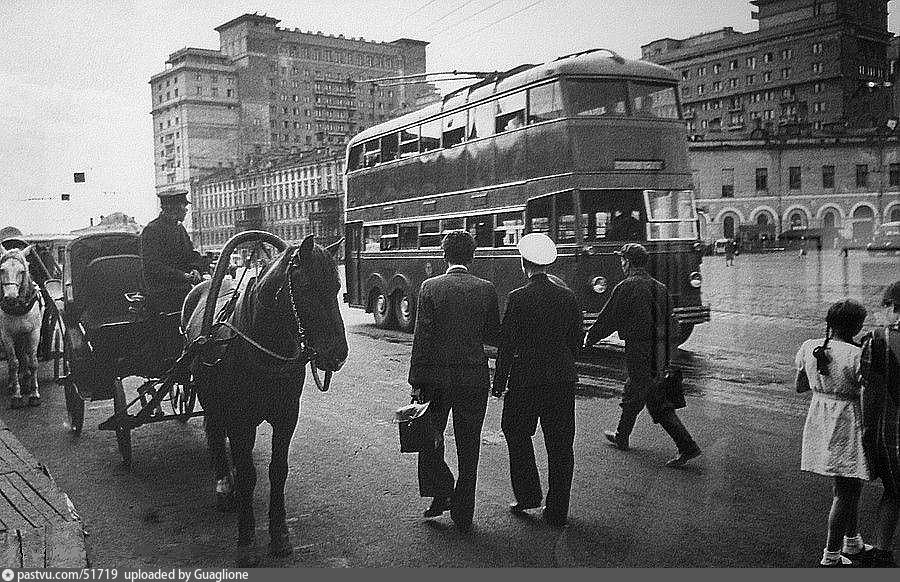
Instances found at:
x=540 y=336
x=639 y=309
x=456 y=314
x=167 y=254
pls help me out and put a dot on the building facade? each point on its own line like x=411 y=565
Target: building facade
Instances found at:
x=814 y=66
x=842 y=186
x=269 y=92
x=291 y=197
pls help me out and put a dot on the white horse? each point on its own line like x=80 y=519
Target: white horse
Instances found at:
x=21 y=313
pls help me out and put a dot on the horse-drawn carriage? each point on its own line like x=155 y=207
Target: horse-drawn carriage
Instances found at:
x=111 y=334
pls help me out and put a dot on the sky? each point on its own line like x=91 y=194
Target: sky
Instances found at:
x=75 y=74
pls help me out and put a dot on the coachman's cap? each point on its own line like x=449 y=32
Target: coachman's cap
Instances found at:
x=174 y=196
x=634 y=252
x=537 y=248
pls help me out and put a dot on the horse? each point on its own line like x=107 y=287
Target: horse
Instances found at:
x=268 y=330
x=21 y=313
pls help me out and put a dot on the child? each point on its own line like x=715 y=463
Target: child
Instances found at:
x=832 y=435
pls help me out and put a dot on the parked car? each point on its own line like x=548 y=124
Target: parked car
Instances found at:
x=886 y=239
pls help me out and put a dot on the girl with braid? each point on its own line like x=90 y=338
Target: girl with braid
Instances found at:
x=832 y=434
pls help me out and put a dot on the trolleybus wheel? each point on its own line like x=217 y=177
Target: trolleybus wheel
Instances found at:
x=123 y=434
x=684 y=332
x=381 y=310
x=404 y=313
x=74 y=405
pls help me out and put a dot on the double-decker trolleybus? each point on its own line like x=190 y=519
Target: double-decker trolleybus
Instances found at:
x=589 y=148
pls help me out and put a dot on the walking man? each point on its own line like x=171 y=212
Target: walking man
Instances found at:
x=171 y=265
x=539 y=341
x=639 y=309
x=457 y=313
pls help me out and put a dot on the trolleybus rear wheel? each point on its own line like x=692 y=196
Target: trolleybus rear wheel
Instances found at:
x=404 y=313
x=123 y=434
x=381 y=309
x=684 y=332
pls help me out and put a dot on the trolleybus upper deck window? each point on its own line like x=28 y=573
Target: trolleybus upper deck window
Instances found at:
x=454 y=128
x=390 y=147
x=429 y=234
x=544 y=103
x=653 y=100
x=409 y=236
x=389 y=240
x=431 y=136
x=481 y=120
x=372 y=153
x=510 y=112
x=409 y=142
x=595 y=97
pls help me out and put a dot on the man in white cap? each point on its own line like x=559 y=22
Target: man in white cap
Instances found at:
x=540 y=337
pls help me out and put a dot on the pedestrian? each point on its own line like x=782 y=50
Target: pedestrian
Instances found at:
x=832 y=434
x=457 y=313
x=171 y=265
x=540 y=338
x=880 y=378
x=729 y=252
x=640 y=310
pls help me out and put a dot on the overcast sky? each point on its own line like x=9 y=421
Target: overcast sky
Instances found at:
x=75 y=74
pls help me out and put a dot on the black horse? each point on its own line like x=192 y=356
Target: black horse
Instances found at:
x=265 y=333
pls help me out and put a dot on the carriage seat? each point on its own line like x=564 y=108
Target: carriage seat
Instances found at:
x=111 y=290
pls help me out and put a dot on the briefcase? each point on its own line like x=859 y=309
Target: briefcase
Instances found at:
x=416 y=433
x=672 y=384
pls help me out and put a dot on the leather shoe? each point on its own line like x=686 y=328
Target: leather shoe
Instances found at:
x=552 y=519
x=614 y=438
x=438 y=506
x=521 y=507
x=681 y=458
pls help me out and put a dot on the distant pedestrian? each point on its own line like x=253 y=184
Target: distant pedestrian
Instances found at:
x=457 y=313
x=880 y=374
x=832 y=435
x=729 y=252
x=640 y=310
x=540 y=338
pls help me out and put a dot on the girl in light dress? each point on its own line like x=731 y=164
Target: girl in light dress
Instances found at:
x=832 y=434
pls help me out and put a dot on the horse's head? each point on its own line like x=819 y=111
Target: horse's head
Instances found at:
x=304 y=280
x=14 y=275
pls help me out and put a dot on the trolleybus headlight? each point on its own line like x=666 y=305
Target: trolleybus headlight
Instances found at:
x=599 y=284
x=696 y=280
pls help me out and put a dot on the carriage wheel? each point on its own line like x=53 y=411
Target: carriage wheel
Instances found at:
x=404 y=313
x=74 y=405
x=123 y=434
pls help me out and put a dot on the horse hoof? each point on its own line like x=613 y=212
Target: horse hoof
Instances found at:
x=280 y=545
x=34 y=401
x=16 y=402
x=247 y=557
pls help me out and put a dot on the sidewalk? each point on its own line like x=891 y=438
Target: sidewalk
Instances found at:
x=38 y=525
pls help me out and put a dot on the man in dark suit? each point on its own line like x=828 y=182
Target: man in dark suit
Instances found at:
x=457 y=313
x=639 y=309
x=539 y=341
x=171 y=265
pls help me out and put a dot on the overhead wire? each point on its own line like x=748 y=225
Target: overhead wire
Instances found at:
x=473 y=15
x=498 y=21
x=419 y=9
x=451 y=12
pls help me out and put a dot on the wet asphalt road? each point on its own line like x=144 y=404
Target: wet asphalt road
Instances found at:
x=352 y=498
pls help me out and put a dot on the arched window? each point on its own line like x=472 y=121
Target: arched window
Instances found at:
x=763 y=218
x=797 y=220
x=863 y=224
x=728 y=227
x=830 y=220
x=895 y=214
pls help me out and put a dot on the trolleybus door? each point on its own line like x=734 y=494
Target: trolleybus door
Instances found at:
x=353 y=262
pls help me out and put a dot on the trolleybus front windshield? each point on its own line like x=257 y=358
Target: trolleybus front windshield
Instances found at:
x=603 y=97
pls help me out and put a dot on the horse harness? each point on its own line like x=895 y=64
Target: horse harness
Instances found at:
x=24 y=302
x=304 y=354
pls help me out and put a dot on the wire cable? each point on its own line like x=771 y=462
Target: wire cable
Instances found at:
x=473 y=15
x=498 y=21
x=419 y=9
x=453 y=11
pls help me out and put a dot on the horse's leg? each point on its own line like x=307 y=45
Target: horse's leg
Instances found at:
x=242 y=437
x=32 y=365
x=12 y=362
x=282 y=432
x=214 y=426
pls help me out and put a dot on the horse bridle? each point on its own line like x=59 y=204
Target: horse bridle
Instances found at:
x=24 y=266
x=304 y=351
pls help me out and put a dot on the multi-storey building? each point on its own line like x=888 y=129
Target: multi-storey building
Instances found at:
x=841 y=186
x=271 y=91
x=813 y=66
x=291 y=197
